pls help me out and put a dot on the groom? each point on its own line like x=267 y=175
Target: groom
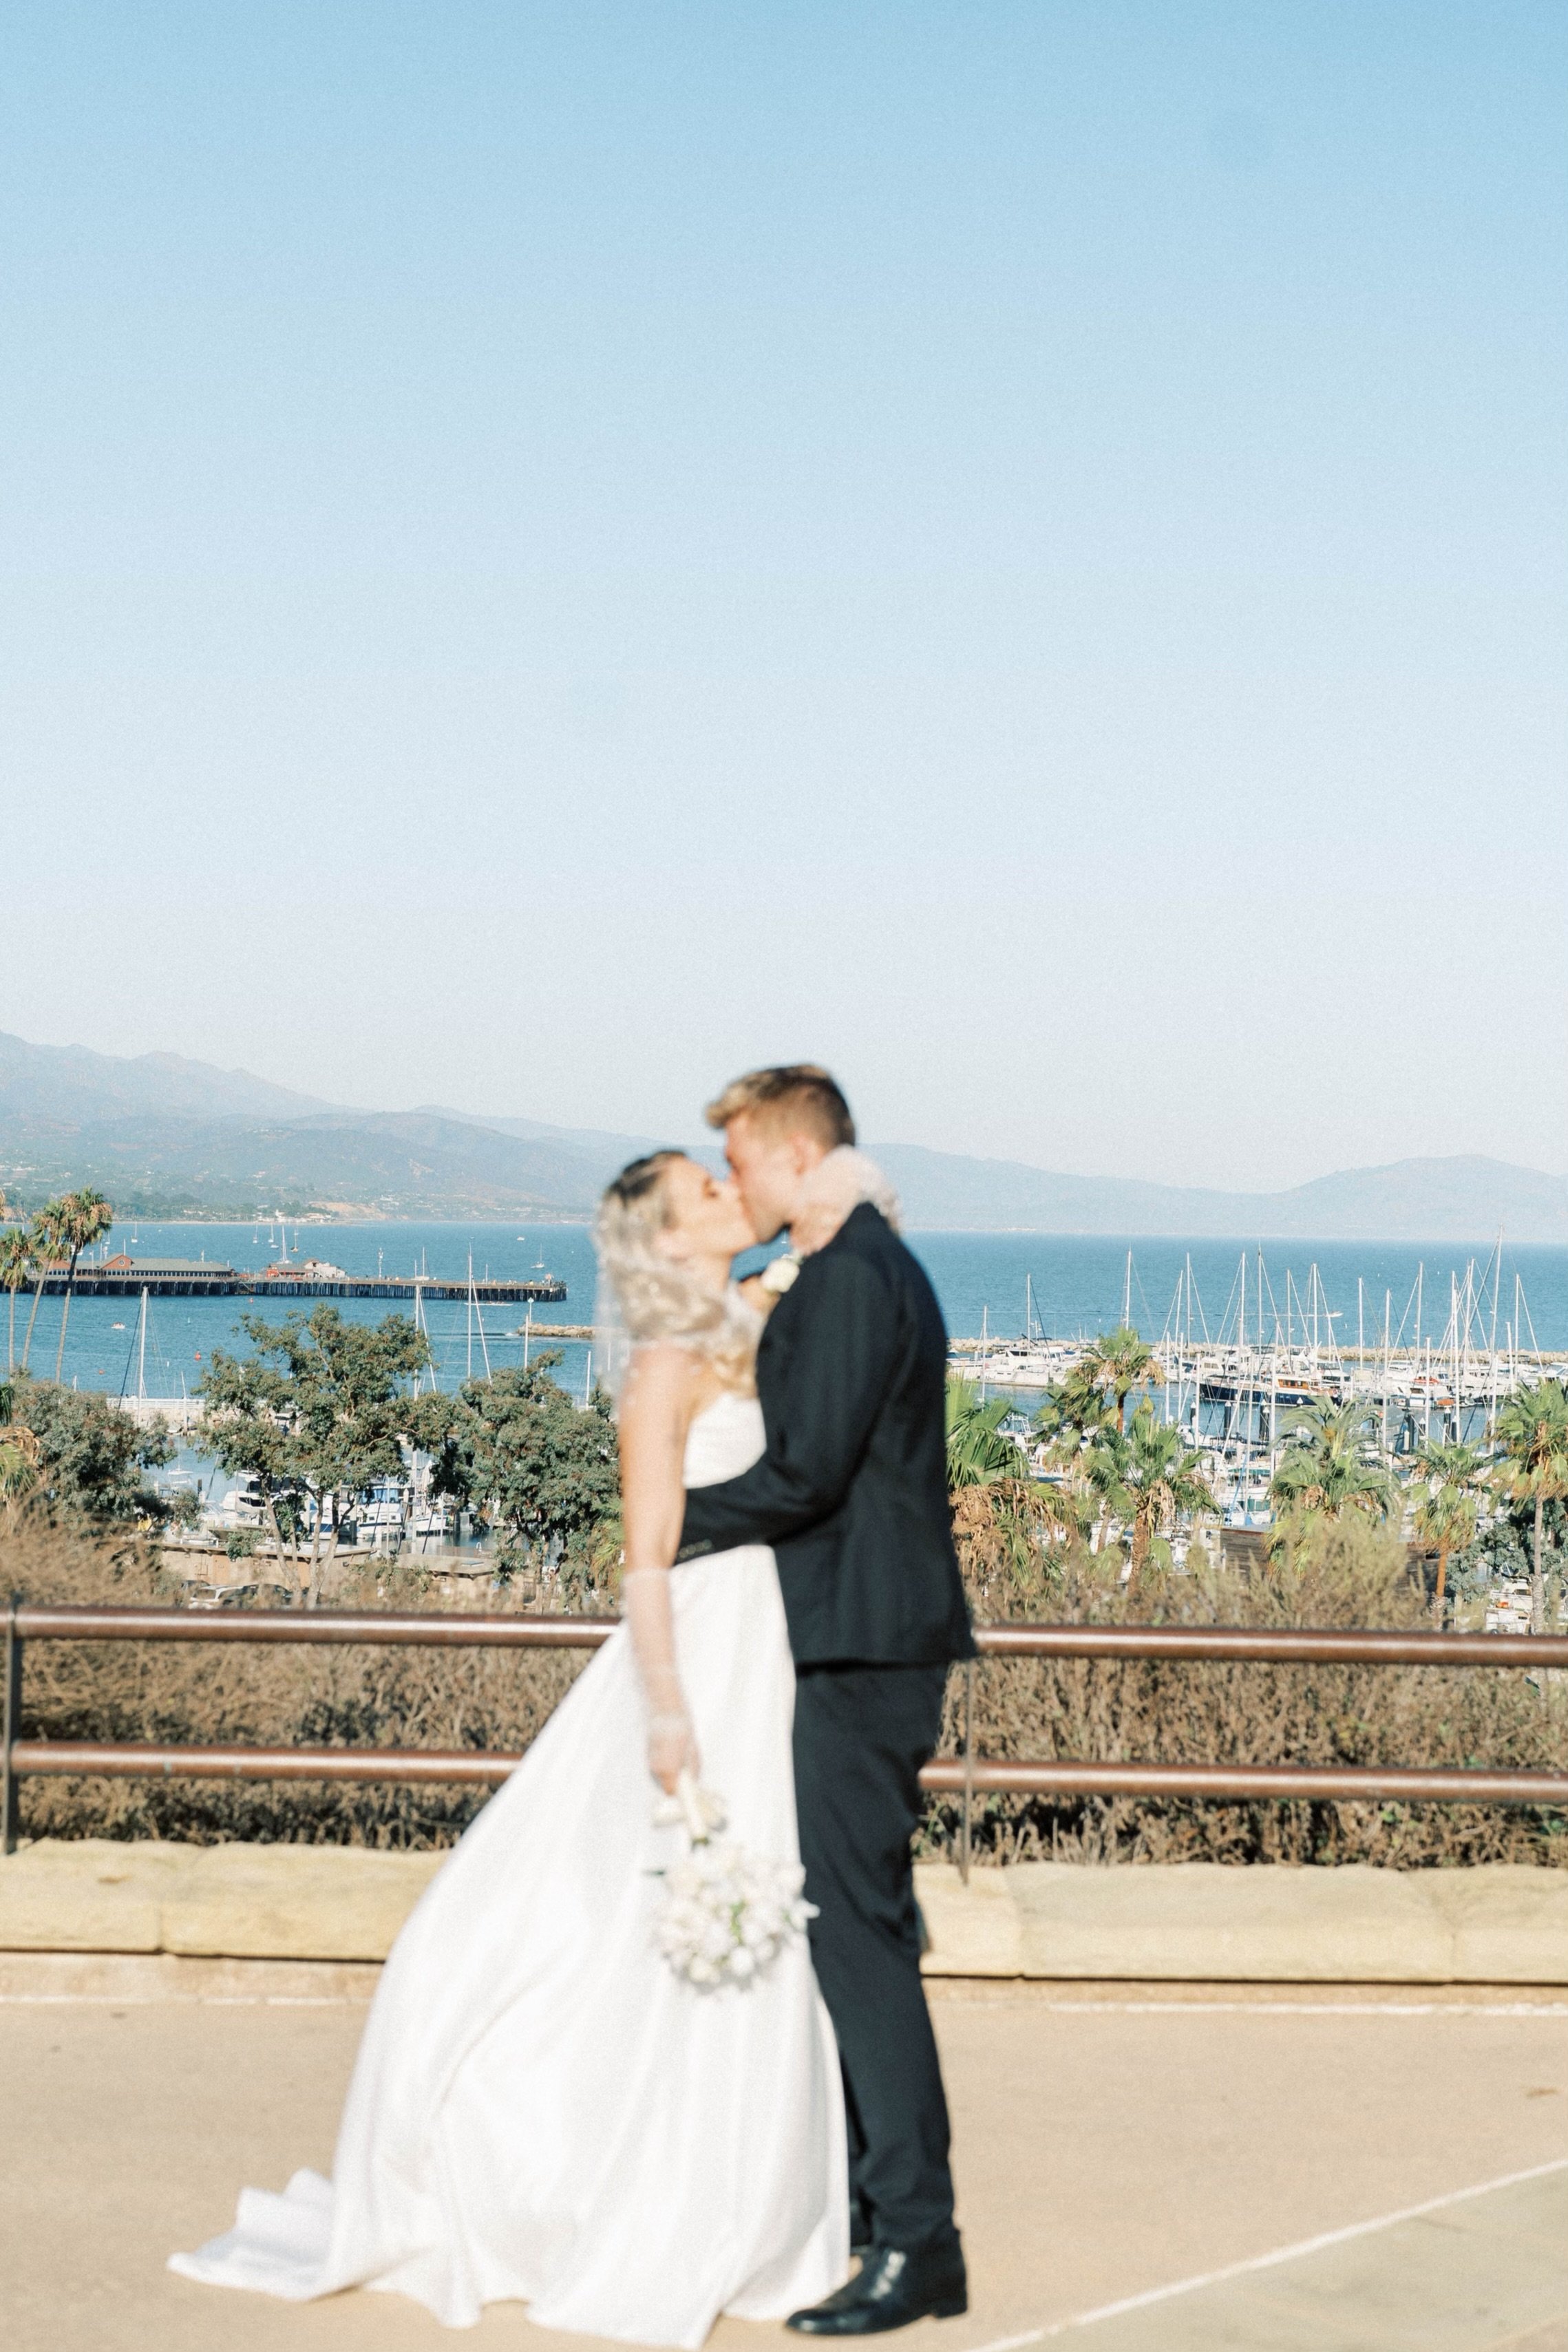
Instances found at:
x=852 y=1495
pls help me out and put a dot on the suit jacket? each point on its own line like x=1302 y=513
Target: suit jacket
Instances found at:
x=852 y=1490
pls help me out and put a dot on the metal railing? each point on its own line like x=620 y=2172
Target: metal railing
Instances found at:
x=966 y=1776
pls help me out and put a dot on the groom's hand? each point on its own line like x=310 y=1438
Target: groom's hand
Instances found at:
x=815 y=1225
x=835 y=1185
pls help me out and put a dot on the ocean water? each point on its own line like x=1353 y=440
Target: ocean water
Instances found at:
x=1069 y=1284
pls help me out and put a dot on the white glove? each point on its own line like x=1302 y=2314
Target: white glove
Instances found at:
x=650 y=1617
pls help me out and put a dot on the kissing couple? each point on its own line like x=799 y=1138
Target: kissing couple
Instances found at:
x=653 y=2045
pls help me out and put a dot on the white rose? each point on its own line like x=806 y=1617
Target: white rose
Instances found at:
x=779 y=1274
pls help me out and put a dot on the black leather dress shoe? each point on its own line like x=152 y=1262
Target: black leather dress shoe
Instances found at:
x=892 y=2290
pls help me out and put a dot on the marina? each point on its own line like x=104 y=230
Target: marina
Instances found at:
x=1430 y=1350
x=1432 y=1342
x=1270 y=1350
x=1273 y=1351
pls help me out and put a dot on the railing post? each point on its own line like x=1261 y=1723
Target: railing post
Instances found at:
x=11 y=1727
x=965 y=1830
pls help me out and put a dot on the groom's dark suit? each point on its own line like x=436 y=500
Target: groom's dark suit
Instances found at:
x=852 y=1495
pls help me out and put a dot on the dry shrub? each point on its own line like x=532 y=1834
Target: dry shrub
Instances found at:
x=256 y=1694
x=1349 y=1573
x=355 y=1697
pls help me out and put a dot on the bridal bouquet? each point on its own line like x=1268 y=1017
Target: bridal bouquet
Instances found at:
x=727 y=1913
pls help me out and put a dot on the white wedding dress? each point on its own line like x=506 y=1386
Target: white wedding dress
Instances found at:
x=541 y=2108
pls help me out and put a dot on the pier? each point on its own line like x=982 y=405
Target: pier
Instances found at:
x=169 y=1277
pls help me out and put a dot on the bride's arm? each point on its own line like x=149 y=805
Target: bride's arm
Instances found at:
x=656 y=1410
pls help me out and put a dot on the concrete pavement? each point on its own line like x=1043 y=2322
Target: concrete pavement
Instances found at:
x=1478 y=2266
x=1107 y=2148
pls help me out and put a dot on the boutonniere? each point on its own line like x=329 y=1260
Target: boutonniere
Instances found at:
x=779 y=1274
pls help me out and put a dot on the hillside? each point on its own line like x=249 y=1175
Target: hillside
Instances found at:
x=159 y=1134
x=73 y=1084
x=394 y=1164
x=1458 y=1200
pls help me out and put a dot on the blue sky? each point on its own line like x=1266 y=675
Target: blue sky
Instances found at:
x=551 y=554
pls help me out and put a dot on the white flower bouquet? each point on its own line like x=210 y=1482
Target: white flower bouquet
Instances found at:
x=727 y=1913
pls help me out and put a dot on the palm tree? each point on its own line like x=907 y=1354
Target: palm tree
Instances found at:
x=1001 y=1514
x=1083 y=1426
x=84 y=1217
x=979 y=1451
x=1075 y=1407
x=1532 y=1437
x=1116 y=1363
x=981 y=1454
x=1106 y=1463
x=1164 y=1482
x=15 y=1265
x=1332 y=1465
x=21 y=1462
x=48 y=1244
x=1446 y=1478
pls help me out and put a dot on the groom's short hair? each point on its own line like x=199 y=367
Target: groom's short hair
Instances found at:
x=797 y=1096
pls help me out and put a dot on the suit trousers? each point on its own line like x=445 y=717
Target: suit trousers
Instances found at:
x=861 y=1734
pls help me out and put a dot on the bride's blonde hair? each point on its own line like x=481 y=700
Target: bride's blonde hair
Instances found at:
x=646 y=1297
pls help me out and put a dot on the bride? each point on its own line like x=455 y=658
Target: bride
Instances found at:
x=542 y=2108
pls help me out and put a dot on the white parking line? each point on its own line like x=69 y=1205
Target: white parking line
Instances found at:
x=1266 y=2262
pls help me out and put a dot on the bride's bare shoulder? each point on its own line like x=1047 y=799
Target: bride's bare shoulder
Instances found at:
x=664 y=1382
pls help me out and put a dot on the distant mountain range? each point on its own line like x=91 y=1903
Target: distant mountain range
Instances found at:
x=69 y=1083
x=1458 y=1200
x=165 y=1136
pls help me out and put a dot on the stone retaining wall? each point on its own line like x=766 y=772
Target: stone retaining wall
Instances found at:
x=1196 y=1922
